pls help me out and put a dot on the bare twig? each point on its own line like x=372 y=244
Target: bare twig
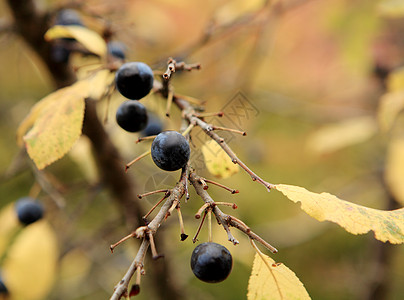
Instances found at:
x=233 y=191
x=189 y=113
x=129 y=164
x=227 y=220
x=140 y=196
x=178 y=191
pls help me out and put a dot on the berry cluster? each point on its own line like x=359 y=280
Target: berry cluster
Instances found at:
x=170 y=150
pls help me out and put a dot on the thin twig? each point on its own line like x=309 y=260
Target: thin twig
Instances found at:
x=144 y=138
x=154 y=207
x=199 y=227
x=227 y=220
x=140 y=196
x=233 y=191
x=243 y=133
x=189 y=113
x=128 y=165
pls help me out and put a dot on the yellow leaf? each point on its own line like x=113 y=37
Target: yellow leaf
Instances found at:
x=74 y=269
x=356 y=219
x=91 y=40
x=217 y=161
x=336 y=136
x=391 y=104
x=392 y=8
x=81 y=154
x=57 y=124
x=100 y=84
x=395 y=80
x=30 y=266
x=272 y=281
x=395 y=169
x=9 y=226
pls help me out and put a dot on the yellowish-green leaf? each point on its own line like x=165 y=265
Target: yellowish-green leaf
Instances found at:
x=336 y=136
x=356 y=219
x=392 y=8
x=217 y=161
x=30 y=266
x=395 y=169
x=57 y=125
x=91 y=40
x=272 y=281
x=391 y=104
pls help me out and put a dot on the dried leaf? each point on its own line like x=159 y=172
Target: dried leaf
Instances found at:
x=391 y=104
x=356 y=219
x=270 y=280
x=334 y=137
x=91 y=40
x=217 y=161
x=57 y=124
x=29 y=269
x=395 y=169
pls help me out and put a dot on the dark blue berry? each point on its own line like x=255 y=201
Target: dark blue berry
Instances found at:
x=170 y=150
x=60 y=54
x=154 y=126
x=134 y=80
x=131 y=116
x=28 y=210
x=3 y=288
x=211 y=262
x=68 y=17
x=117 y=49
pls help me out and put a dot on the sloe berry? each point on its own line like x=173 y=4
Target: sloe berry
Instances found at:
x=211 y=262
x=28 y=210
x=131 y=116
x=134 y=80
x=170 y=150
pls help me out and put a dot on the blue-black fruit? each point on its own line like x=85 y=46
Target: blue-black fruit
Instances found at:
x=116 y=49
x=3 y=288
x=134 y=80
x=131 y=116
x=154 y=126
x=170 y=150
x=68 y=17
x=28 y=210
x=211 y=262
x=60 y=54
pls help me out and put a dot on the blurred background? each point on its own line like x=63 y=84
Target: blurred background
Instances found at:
x=279 y=71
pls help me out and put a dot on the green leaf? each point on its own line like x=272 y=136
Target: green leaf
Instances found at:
x=91 y=40
x=272 y=281
x=57 y=124
x=356 y=219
